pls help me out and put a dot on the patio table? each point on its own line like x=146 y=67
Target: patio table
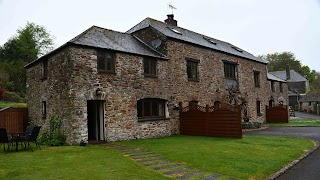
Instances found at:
x=15 y=137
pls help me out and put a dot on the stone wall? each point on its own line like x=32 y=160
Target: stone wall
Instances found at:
x=210 y=87
x=73 y=80
x=54 y=90
x=122 y=91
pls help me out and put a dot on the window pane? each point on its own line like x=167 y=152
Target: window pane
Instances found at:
x=152 y=67
x=154 y=108
x=45 y=69
x=101 y=60
x=109 y=60
x=146 y=108
x=139 y=108
x=146 y=66
x=189 y=70
x=194 y=71
x=161 y=108
x=258 y=108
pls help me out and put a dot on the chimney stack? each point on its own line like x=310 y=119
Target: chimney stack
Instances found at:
x=170 y=20
x=288 y=72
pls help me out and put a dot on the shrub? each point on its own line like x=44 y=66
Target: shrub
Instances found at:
x=11 y=97
x=53 y=136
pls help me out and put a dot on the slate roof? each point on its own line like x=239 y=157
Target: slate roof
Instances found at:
x=274 y=78
x=113 y=40
x=104 y=38
x=193 y=37
x=312 y=96
x=294 y=76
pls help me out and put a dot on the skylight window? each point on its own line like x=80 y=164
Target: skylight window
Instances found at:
x=175 y=30
x=210 y=40
x=236 y=48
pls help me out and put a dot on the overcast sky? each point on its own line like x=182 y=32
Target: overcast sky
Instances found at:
x=257 y=26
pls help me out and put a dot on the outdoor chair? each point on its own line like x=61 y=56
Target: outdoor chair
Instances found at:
x=5 y=140
x=31 y=138
x=26 y=134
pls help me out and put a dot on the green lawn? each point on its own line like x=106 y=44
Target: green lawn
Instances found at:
x=72 y=162
x=298 y=122
x=11 y=104
x=254 y=157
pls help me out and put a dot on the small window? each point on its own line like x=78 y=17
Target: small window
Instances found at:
x=258 y=108
x=44 y=69
x=106 y=62
x=216 y=104
x=151 y=108
x=210 y=40
x=44 y=109
x=237 y=49
x=150 y=67
x=280 y=86
x=193 y=104
x=271 y=103
x=272 y=86
x=230 y=71
x=192 y=69
x=256 y=78
x=175 y=30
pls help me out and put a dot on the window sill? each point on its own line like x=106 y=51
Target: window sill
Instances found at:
x=194 y=80
x=106 y=72
x=150 y=76
x=153 y=119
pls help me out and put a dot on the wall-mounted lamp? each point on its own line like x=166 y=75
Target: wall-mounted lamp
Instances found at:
x=98 y=92
x=176 y=107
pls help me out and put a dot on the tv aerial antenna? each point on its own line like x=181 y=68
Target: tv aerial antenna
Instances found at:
x=170 y=6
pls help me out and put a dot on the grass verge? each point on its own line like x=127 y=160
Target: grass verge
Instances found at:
x=253 y=157
x=12 y=104
x=298 y=122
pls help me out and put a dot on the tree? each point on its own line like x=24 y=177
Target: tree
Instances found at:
x=315 y=85
x=279 y=61
x=30 y=42
x=27 y=45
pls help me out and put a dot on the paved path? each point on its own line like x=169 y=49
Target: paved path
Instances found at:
x=308 y=168
x=307 y=115
x=164 y=166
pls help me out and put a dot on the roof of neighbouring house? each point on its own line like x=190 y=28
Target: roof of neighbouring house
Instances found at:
x=312 y=96
x=294 y=76
x=193 y=37
x=274 y=78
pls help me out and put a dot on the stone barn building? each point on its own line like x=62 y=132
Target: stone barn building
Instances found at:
x=110 y=86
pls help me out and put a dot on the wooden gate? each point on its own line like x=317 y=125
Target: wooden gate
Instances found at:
x=222 y=120
x=14 y=119
x=277 y=114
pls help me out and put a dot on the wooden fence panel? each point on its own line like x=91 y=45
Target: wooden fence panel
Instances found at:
x=14 y=119
x=277 y=114
x=219 y=121
x=194 y=121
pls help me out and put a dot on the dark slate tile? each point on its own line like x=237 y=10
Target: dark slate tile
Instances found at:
x=211 y=177
x=167 y=167
x=178 y=171
x=157 y=163
x=187 y=176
